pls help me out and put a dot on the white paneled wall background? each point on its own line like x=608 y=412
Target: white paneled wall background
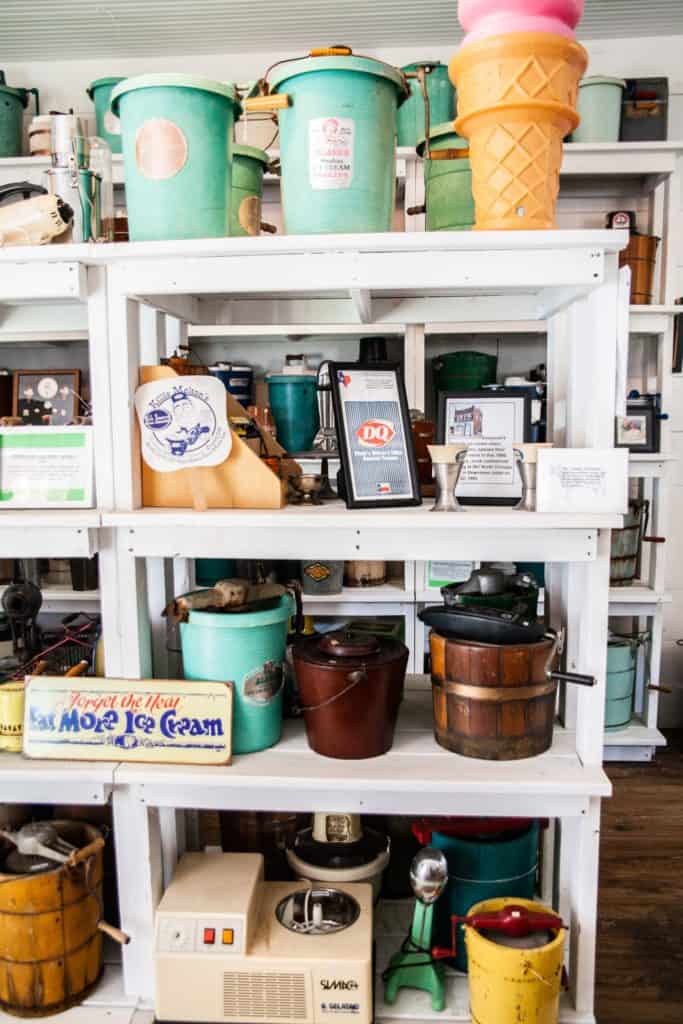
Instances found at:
x=62 y=84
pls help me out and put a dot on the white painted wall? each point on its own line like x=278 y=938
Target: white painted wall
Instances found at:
x=63 y=84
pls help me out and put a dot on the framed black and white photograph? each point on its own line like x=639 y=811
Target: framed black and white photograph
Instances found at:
x=47 y=397
x=490 y=421
x=378 y=461
x=638 y=430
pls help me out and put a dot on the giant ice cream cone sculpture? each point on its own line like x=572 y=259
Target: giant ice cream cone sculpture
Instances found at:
x=516 y=103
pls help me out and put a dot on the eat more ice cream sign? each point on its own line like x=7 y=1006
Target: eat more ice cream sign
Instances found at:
x=167 y=721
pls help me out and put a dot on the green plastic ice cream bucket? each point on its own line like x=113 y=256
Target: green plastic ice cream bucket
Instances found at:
x=599 y=106
x=248 y=650
x=448 y=183
x=411 y=115
x=338 y=143
x=293 y=400
x=108 y=126
x=248 y=167
x=464 y=371
x=621 y=680
x=482 y=867
x=12 y=105
x=177 y=151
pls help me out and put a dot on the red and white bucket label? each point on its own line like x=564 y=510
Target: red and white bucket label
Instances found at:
x=375 y=433
x=331 y=152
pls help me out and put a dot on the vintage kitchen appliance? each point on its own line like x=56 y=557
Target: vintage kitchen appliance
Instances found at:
x=230 y=947
x=29 y=216
x=337 y=849
x=81 y=176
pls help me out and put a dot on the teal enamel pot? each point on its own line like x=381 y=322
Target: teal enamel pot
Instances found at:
x=248 y=650
x=177 y=135
x=293 y=400
x=248 y=167
x=622 y=658
x=411 y=115
x=338 y=143
x=13 y=102
x=486 y=859
x=108 y=125
x=448 y=183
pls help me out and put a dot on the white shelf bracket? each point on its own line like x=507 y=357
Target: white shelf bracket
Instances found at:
x=362 y=304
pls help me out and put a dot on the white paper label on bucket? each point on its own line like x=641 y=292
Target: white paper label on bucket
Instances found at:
x=183 y=423
x=160 y=149
x=111 y=123
x=262 y=686
x=330 y=152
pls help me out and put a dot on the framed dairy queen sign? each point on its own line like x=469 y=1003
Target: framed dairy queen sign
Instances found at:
x=378 y=461
x=153 y=720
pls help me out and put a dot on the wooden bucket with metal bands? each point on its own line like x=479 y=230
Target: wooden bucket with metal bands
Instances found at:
x=492 y=701
x=50 y=945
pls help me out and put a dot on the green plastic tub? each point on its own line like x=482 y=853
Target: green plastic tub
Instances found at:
x=599 y=106
x=464 y=371
x=411 y=116
x=482 y=867
x=177 y=151
x=108 y=125
x=248 y=167
x=249 y=651
x=13 y=102
x=621 y=681
x=293 y=400
x=448 y=183
x=338 y=144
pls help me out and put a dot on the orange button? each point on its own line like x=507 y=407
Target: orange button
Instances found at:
x=209 y=936
x=228 y=936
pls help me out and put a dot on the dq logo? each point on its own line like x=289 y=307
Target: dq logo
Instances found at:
x=375 y=433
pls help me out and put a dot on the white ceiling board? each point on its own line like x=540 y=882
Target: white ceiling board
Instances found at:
x=37 y=30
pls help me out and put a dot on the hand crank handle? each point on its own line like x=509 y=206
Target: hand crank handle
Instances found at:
x=573 y=677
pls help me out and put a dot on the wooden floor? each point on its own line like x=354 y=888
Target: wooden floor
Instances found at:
x=640 y=937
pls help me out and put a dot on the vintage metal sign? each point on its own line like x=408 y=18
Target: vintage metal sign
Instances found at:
x=167 y=721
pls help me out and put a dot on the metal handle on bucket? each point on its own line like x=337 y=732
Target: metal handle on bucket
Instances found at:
x=355 y=678
x=579 y=678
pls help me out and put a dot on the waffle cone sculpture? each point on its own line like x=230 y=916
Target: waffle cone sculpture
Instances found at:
x=516 y=103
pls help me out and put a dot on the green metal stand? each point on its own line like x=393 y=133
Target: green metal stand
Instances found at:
x=412 y=966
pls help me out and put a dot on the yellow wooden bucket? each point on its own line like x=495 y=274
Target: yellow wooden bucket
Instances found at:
x=511 y=984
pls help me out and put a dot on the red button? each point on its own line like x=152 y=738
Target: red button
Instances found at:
x=209 y=936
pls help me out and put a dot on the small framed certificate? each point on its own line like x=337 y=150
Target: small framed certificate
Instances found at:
x=378 y=461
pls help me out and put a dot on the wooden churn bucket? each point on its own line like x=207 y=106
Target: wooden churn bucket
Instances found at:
x=51 y=929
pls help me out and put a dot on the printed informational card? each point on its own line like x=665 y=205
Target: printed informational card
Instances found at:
x=46 y=467
x=183 y=423
x=154 y=720
x=582 y=480
x=377 y=451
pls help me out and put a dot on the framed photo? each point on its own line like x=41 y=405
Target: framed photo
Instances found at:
x=47 y=397
x=638 y=430
x=491 y=421
x=378 y=461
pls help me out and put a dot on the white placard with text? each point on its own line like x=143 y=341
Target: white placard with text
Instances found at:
x=582 y=480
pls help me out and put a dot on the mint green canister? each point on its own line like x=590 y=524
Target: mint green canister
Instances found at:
x=108 y=125
x=411 y=115
x=177 y=135
x=448 y=183
x=248 y=650
x=599 y=106
x=622 y=655
x=13 y=102
x=248 y=167
x=338 y=143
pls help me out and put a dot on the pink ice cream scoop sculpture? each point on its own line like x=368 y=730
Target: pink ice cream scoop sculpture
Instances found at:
x=484 y=18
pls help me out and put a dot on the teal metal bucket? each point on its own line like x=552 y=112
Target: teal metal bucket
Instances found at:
x=208 y=571
x=177 y=151
x=448 y=183
x=599 y=106
x=108 y=125
x=13 y=102
x=411 y=115
x=622 y=657
x=293 y=400
x=249 y=651
x=464 y=371
x=338 y=144
x=480 y=868
x=248 y=167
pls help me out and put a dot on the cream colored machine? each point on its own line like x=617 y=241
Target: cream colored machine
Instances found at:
x=233 y=948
